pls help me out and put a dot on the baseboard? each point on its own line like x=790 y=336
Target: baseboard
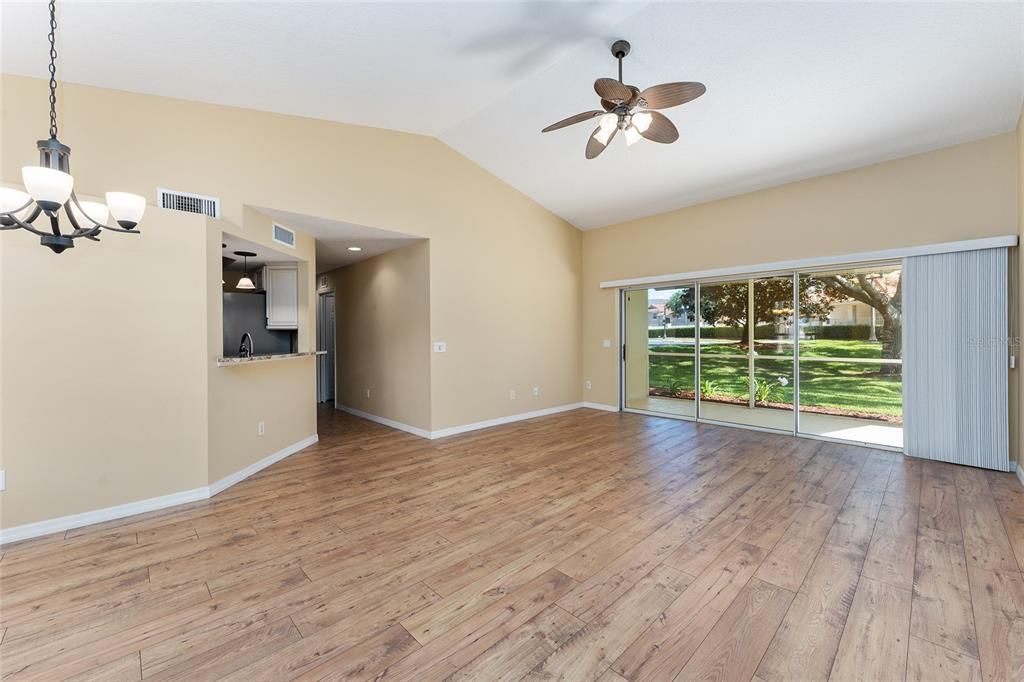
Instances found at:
x=1020 y=473
x=464 y=428
x=63 y=523
x=414 y=430
x=32 y=530
x=239 y=476
x=601 y=406
x=454 y=430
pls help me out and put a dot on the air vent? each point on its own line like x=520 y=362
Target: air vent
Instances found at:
x=282 y=235
x=188 y=202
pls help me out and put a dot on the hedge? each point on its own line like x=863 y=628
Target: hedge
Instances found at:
x=840 y=332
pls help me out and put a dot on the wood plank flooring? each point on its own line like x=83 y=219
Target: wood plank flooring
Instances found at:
x=581 y=546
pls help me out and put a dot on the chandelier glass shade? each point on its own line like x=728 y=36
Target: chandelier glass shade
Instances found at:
x=49 y=194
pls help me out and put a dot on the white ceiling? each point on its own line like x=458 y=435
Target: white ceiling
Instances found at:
x=794 y=90
x=334 y=238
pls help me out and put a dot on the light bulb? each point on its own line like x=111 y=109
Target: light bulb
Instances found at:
x=632 y=135
x=48 y=186
x=642 y=120
x=609 y=122
x=126 y=208
x=603 y=134
x=10 y=201
x=93 y=213
x=245 y=283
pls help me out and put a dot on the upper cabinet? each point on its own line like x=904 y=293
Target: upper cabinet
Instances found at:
x=282 y=285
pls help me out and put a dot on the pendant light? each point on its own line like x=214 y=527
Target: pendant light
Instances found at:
x=245 y=282
x=50 y=188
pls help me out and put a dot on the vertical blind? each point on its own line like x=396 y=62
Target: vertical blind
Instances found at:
x=955 y=358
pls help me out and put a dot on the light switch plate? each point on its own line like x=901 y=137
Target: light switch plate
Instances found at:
x=607 y=343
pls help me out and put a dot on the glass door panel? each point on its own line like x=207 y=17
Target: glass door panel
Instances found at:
x=724 y=351
x=660 y=357
x=772 y=332
x=851 y=366
x=746 y=352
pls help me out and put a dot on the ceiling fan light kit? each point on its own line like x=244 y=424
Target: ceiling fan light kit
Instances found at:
x=50 y=187
x=628 y=109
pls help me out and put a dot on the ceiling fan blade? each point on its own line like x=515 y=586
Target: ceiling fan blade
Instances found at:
x=612 y=90
x=671 y=94
x=594 y=146
x=661 y=129
x=572 y=120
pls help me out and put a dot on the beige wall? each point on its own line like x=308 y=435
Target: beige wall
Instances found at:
x=103 y=369
x=382 y=337
x=281 y=394
x=502 y=267
x=961 y=192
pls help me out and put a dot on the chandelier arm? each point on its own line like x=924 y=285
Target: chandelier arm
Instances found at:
x=23 y=225
x=88 y=232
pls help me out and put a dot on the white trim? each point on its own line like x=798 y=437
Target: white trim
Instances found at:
x=31 y=530
x=1020 y=472
x=231 y=479
x=414 y=430
x=821 y=261
x=498 y=421
x=63 y=523
x=464 y=428
x=601 y=406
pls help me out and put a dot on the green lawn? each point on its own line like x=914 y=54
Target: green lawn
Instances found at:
x=838 y=385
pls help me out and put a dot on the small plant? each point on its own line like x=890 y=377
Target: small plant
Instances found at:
x=676 y=387
x=708 y=387
x=768 y=391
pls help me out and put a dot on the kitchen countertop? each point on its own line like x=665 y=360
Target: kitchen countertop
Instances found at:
x=230 y=362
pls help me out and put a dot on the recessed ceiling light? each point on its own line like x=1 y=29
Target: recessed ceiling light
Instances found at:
x=355 y=248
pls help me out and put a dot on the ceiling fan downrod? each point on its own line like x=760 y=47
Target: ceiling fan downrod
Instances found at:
x=620 y=48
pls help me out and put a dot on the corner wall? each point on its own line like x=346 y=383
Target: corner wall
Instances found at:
x=382 y=335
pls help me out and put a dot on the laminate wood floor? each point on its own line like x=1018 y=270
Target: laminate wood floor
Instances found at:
x=585 y=545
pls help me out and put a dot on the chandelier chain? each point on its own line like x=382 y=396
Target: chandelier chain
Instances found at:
x=53 y=69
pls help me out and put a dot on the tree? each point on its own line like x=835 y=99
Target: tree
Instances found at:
x=877 y=291
x=727 y=304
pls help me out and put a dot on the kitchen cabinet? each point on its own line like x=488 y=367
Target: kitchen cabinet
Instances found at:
x=282 y=284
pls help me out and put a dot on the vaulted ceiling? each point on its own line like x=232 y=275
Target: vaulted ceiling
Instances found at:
x=794 y=90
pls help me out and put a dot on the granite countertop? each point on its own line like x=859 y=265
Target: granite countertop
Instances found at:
x=230 y=362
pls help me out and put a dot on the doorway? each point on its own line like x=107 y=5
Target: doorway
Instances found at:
x=325 y=328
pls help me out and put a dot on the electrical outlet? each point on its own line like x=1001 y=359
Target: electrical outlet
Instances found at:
x=536 y=391
x=3 y=480
x=512 y=394
x=440 y=347
x=261 y=428
x=607 y=343
x=589 y=385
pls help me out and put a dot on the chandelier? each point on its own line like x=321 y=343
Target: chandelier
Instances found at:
x=50 y=188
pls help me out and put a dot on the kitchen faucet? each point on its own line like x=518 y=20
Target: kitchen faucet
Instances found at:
x=245 y=350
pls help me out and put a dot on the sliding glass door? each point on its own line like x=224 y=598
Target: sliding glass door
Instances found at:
x=746 y=352
x=816 y=353
x=659 y=355
x=851 y=356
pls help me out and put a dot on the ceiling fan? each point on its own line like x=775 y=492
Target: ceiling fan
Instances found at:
x=631 y=110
